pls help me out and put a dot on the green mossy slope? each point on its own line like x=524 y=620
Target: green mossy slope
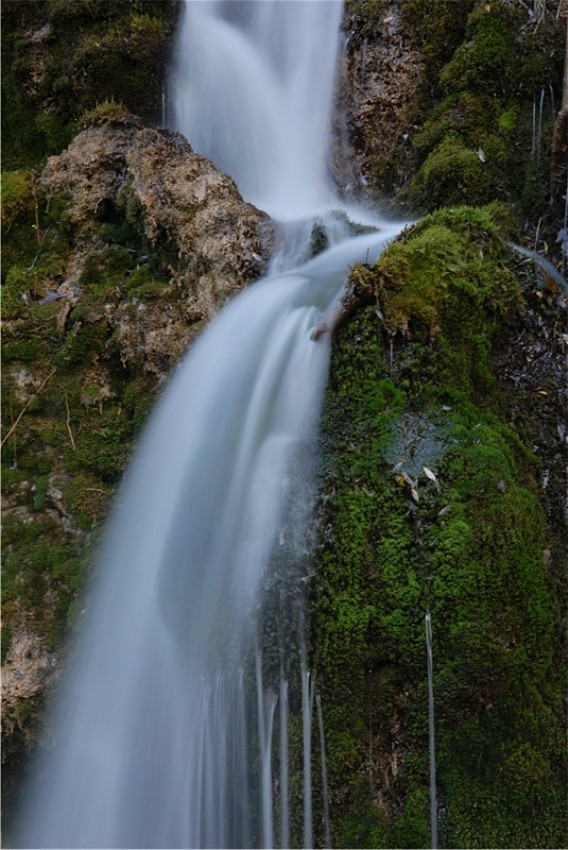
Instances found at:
x=71 y=408
x=431 y=502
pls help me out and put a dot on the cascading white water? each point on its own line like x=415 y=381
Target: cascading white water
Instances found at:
x=152 y=723
x=255 y=83
x=284 y=783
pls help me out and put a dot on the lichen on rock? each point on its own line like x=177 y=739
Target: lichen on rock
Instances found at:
x=150 y=181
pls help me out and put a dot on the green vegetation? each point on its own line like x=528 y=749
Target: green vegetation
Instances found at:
x=476 y=145
x=41 y=561
x=438 y=31
x=71 y=408
x=118 y=53
x=431 y=502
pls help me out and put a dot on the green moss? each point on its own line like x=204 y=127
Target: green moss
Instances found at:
x=433 y=503
x=125 y=62
x=41 y=562
x=138 y=399
x=118 y=51
x=438 y=30
x=444 y=283
x=143 y=284
x=16 y=195
x=476 y=144
x=88 y=498
x=487 y=62
x=412 y=829
x=452 y=174
x=108 y=111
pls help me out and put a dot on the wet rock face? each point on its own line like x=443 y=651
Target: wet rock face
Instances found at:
x=534 y=397
x=25 y=673
x=384 y=71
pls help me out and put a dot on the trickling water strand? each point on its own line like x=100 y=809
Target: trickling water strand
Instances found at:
x=307 y=709
x=284 y=782
x=537 y=122
x=266 y=705
x=552 y=103
x=432 y=737
x=539 y=130
x=325 y=795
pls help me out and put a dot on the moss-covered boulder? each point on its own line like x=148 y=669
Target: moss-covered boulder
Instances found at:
x=431 y=502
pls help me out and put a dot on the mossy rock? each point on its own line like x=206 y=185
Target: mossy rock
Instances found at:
x=43 y=571
x=433 y=503
x=71 y=409
x=445 y=283
x=476 y=144
x=119 y=52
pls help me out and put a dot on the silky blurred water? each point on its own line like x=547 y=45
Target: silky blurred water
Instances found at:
x=153 y=723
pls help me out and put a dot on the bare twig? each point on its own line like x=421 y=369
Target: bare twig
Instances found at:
x=26 y=405
x=15 y=446
x=68 y=422
x=537 y=234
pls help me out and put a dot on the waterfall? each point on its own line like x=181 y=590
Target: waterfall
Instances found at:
x=253 y=92
x=284 y=765
x=153 y=724
x=266 y=703
x=307 y=709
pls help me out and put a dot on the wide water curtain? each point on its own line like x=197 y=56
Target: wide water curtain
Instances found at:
x=254 y=92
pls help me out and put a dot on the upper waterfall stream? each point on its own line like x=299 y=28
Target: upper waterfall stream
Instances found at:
x=152 y=725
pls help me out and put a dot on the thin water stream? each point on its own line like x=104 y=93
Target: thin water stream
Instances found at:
x=432 y=736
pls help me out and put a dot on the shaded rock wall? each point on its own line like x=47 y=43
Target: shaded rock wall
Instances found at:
x=455 y=102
